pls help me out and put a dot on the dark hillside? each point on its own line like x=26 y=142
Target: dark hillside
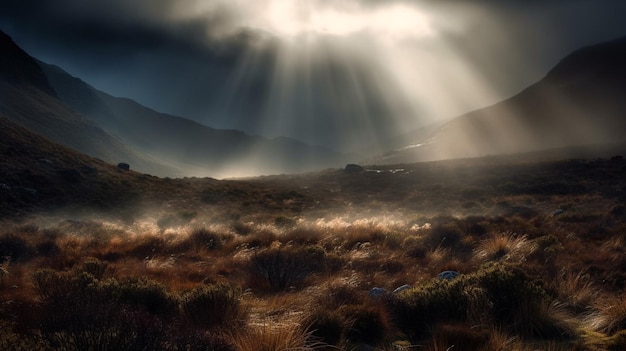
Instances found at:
x=39 y=175
x=27 y=99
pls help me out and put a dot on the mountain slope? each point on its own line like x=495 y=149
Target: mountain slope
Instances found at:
x=38 y=174
x=581 y=101
x=185 y=144
x=27 y=98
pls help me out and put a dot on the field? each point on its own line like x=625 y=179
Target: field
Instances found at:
x=311 y=261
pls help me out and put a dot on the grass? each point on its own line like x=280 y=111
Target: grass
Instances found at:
x=234 y=264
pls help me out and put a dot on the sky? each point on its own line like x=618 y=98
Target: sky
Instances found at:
x=347 y=74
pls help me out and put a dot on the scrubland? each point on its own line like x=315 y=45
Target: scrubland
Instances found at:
x=291 y=262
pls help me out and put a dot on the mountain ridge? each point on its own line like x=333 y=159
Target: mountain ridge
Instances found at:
x=193 y=145
x=47 y=100
x=580 y=101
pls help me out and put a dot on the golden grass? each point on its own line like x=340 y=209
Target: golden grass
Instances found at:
x=280 y=337
x=577 y=258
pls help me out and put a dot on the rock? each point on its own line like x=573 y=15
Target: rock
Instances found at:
x=402 y=288
x=376 y=292
x=448 y=275
x=557 y=212
x=353 y=168
x=123 y=166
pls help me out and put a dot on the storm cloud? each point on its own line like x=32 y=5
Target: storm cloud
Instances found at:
x=344 y=74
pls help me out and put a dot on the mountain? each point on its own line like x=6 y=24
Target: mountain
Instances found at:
x=47 y=100
x=581 y=101
x=38 y=174
x=27 y=98
x=185 y=144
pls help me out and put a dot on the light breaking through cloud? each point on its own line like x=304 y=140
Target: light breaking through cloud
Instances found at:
x=344 y=74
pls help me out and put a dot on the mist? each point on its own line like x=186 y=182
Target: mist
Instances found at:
x=347 y=76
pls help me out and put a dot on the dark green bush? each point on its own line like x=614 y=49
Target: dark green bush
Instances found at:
x=498 y=294
x=213 y=306
x=417 y=310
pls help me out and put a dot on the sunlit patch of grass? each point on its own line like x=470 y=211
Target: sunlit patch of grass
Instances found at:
x=269 y=338
x=609 y=315
x=504 y=247
x=576 y=289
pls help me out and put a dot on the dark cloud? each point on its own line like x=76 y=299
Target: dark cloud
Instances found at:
x=214 y=61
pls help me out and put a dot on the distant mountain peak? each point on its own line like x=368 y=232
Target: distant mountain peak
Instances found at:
x=606 y=59
x=19 y=68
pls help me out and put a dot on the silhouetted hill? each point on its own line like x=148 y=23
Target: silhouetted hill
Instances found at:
x=581 y=101
x=19 y=69
x=27 y=98
x=193 y=148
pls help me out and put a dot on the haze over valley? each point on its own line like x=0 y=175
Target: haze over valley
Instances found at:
x=276 y=175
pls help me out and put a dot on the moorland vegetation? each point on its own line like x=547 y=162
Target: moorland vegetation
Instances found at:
x=290 y=262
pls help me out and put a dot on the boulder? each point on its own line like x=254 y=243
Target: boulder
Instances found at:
x=123 y=166
x=448 y=275
x=353 y=168
x=376 y=292
x=402 y=288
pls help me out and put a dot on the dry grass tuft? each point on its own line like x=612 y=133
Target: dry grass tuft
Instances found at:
x=267 y=338
x=504 y=247
x=609 y=315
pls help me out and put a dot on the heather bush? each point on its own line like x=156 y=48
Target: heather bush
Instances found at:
x=417 y=310
x=141 y=293
x=285 y=267
x=339 y=294
x=213 y=306
x=185 y=339
x=367 y=323
x=15 y=247
x=107 y=327
x=327 y=326
x=447 y=234
x=202 y=238
x=93 y=266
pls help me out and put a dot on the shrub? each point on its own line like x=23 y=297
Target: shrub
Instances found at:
x=498 y=294
x=418 y=309
x=366 y=323
x=205 y=239
x=141 y=293
x=284 y=267
x=109 y=327
x=213 y=306
x=444 y=235
x=15 y=247
x=93 y=266
x=180 y=339
x=337 y=295
x=458 y=336
x=325 y=325
x=520 y=304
